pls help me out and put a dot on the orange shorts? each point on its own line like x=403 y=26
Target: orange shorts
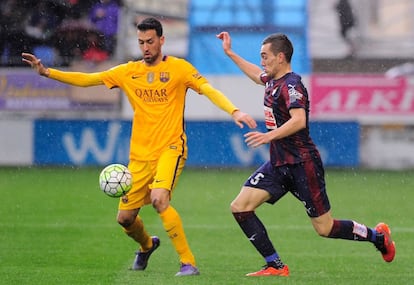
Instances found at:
x=147 y=175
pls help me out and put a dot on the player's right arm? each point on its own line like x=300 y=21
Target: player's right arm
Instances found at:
x=74 y=78
x=251 y=70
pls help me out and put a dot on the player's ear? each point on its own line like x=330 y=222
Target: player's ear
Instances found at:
x=162 y=40
x=281 y=57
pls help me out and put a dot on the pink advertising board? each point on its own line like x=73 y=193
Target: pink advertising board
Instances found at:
x=361 y=97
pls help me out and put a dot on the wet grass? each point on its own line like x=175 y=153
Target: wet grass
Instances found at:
x=56 y=227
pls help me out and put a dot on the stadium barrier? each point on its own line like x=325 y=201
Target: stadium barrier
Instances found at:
x=373 y=111
x=211 y=143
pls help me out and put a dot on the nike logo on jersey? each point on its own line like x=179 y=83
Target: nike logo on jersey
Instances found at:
x=275 y=90
x=135 y=76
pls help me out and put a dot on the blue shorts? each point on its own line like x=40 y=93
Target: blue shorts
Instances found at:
x=305 y=180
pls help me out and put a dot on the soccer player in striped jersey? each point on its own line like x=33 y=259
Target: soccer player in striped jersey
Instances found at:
x=295 y=165
x=156 y=88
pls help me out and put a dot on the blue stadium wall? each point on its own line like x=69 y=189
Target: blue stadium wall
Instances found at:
x=248 y=22
x=211 y=144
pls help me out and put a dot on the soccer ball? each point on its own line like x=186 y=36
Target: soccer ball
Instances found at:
x=115 y=180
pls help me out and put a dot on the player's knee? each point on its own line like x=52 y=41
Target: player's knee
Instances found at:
x=160 y=199
x=323 y=230
x=159 y=205
x=323 y=233
x=234 y=208
x=323 y=224
x=237 y=206
x=125 y=220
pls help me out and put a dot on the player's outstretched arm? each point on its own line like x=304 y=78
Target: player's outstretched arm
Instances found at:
x=241 y=118
x=221 y=101
x=35 y=63
x=74 y=78
x=251 y=70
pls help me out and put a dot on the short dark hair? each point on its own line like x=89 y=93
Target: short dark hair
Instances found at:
x=150 y=24
x=280 y=43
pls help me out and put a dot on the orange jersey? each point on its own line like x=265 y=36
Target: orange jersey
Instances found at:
x=157 y=96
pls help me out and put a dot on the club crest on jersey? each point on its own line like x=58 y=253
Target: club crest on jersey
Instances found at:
x=150 y=77
x=293 y=93
x=197 y=76
x=164 y=76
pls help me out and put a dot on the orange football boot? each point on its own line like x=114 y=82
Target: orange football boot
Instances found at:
x=388 y=248
x=271 y=271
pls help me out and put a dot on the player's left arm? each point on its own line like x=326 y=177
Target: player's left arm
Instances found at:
x=252 y=71
x=296 y=123
x=221 y=101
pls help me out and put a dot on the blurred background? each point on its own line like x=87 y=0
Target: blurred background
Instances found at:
x=355 y=58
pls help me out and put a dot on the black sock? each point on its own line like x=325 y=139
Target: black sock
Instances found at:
x=255 y=231
x=346 y=229
x=277 y=263
x=379 y=243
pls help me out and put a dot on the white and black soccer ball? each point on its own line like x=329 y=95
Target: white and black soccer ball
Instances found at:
x=115 y=180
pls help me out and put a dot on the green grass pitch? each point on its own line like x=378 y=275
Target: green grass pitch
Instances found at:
x=57 y=227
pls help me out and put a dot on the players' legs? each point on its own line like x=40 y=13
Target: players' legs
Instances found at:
x=307 y=184
x=249 y=199
x=168 y=170
x=128 y=213
x=326 y=226
x=134 y=228
x=243 y=208
x=172 y=223
x=309 y=188
x=380 y=236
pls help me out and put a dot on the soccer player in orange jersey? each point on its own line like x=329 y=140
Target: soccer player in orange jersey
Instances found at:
x=156 y=89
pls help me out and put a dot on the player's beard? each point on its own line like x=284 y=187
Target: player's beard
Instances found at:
x=151 y=59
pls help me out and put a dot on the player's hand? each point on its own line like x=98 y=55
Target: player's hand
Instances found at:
x=226 y=39
x=240 y=117
x=256 y=139
x=35 y=63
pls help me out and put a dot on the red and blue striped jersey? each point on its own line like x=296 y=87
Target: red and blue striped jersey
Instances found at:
x=280 y=96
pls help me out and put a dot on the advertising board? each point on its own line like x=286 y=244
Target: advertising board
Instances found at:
x=365 y=98
x=211 y=144
x=23 y=90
